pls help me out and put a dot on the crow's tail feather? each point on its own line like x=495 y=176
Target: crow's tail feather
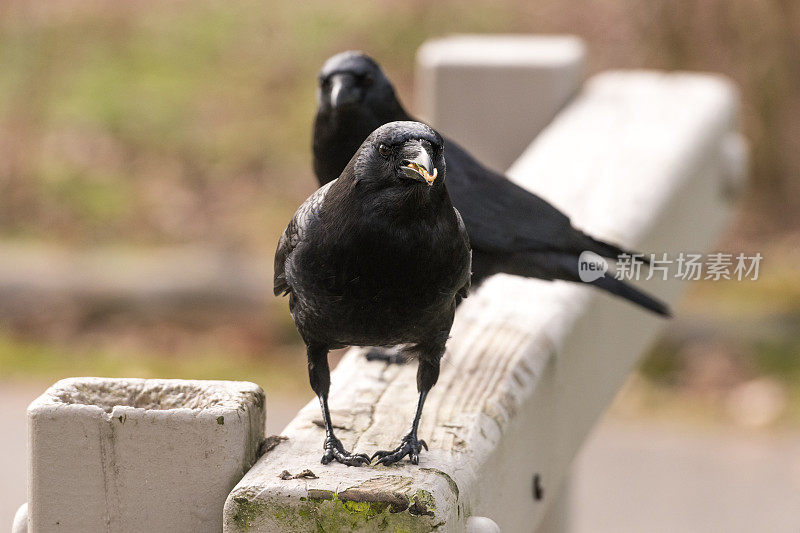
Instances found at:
x=549 y=265
x=629 y=292
x=611 y=251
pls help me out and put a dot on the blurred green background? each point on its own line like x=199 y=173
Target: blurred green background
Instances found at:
x=158 y=124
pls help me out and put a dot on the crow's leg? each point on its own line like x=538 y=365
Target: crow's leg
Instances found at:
x=410 y=445
x=319 y=375
x=391 y=355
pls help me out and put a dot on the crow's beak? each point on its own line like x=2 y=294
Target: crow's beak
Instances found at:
x=343 y=90
x=419 y=165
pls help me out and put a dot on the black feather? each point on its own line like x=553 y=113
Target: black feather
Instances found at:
x=511 y=230
x=372 y=258
x=377 y=257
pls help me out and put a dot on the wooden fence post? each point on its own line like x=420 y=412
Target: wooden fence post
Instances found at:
x=134 y=455
x=639 y=158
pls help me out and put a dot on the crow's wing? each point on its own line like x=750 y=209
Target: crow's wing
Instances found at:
x=502 y=217
x=294 y=234
x=463 y=292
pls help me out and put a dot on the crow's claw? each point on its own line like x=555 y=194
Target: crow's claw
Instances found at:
x=335 y=451
x=390 y=356
x=410 y=446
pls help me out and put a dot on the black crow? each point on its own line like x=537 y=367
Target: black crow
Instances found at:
x=377 y=257
x=511 y=230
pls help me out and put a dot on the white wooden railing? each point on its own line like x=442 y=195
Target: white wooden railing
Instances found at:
x=645 y=159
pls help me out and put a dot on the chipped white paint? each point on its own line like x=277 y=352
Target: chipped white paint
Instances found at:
x=494 y=93
x=638 y=159
x=133 y=455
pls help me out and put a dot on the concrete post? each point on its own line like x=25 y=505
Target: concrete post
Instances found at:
x=133 y=455
x=495 y=93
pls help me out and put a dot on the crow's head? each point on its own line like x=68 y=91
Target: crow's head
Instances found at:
x=351 y=80
x=401 y=154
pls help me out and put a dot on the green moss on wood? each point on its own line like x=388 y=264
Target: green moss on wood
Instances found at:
x=323 y=511
x=319 y=494
x=423 y=504
x=248 y=512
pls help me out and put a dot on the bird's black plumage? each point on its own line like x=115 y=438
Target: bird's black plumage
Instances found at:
x=511 y=229
x=377 y=257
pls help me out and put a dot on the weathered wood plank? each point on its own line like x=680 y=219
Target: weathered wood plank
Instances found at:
x=531 y=365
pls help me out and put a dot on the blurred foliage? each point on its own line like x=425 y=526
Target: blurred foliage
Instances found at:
x=283 y=373
x=173 y=122
x=155 y=123
x=733 y=352
x=779 y=357
x=178 y=122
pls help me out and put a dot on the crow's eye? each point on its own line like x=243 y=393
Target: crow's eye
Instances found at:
x=325 y=83
x=367 y=80
x=384 y=150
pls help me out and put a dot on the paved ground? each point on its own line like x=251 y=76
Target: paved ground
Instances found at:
x=658 y=478
x=14 y=399
x=642 y=477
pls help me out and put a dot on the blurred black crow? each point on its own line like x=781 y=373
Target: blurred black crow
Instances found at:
x=511 y=230
x=377 y=257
